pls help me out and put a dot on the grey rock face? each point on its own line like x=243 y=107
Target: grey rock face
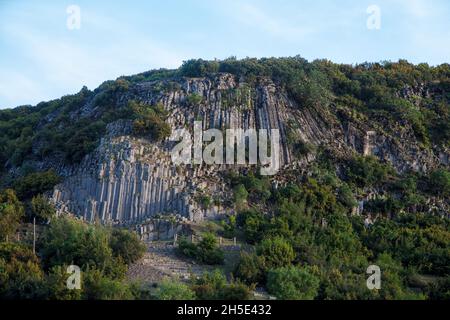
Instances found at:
x=129 y=180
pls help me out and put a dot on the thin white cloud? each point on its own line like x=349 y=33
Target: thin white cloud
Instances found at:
x=418 y=8
x=16 y=89
x=254 y=16
x=65 y=64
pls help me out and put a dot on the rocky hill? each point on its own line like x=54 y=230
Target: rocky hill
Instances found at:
x=114 y=171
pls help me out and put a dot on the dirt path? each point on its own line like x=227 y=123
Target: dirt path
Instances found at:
x=160 y=261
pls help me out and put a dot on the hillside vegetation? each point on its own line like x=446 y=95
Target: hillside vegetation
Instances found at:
x=304 y=236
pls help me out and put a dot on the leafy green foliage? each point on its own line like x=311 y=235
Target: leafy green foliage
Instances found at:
x=240 y=195
x=35 y=183
x=194 y=99
x=41 y=208
x=126 y=246
x=20 y=274
x=277 y=252
x=229 y=226
x=198 y=68
x=173 y=290
x=393 y=286
x=439 y=182
x=214 y=286
x=206 y=251
x=293 y=283
x=11 y=213
x=55 y=285
x=69 y=241
x=312 y=219
x=251 y=268
x=367 y=171
x=413 y=239
x=99 y=286
x=149 y=120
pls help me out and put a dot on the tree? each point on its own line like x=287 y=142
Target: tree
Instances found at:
x=240 y=195
x=35 y=183
x=126 y=244
x=69 y=241
x=198 y=68
x=392 y=282
x=346 y=197
x=292 y=283
x=97 y=285
x=277 y=252
x=11 y=212
x=253 y=223
x=42 y=208
x=55 y=287
x=151 y=124
x=21 y=276
x=440 y=182
x=366 y=171
x=251 y=268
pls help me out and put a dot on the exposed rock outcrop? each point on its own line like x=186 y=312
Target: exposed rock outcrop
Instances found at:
x=127 y=179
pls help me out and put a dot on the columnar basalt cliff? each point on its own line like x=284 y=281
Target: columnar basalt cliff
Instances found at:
x=128 y=179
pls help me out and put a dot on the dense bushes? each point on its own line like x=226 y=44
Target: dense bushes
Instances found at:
x=21 y=276
x=149 y=121
x=308 y=224
x=292 y=283
x=439 y=182
x=277 y=252
x=214 y=286
x=11 y=213
x=35 y=183
x=42 y=209
x=101 y=253
x=69 y=241
x=367 y=171
x=126 y=245
x=251 y=268
x=172 y=290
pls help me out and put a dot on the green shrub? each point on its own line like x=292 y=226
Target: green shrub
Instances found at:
x=21 y=276
x=293 y=283
x=36 y=183
x=194 y=99
x=206 y=251
x=240 y=195
x=367 y=171
x=41 y=208
x=126 y=245
x=96 y=285
x=55 y=287
x=214 y=286
x=251 y=269
x=173 y=290
x=276 y=251
x=439 y=182
x=69 y=241
x=253 y=224
x=11 y=213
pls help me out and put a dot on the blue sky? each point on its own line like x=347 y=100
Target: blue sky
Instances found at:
x=42 y=59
